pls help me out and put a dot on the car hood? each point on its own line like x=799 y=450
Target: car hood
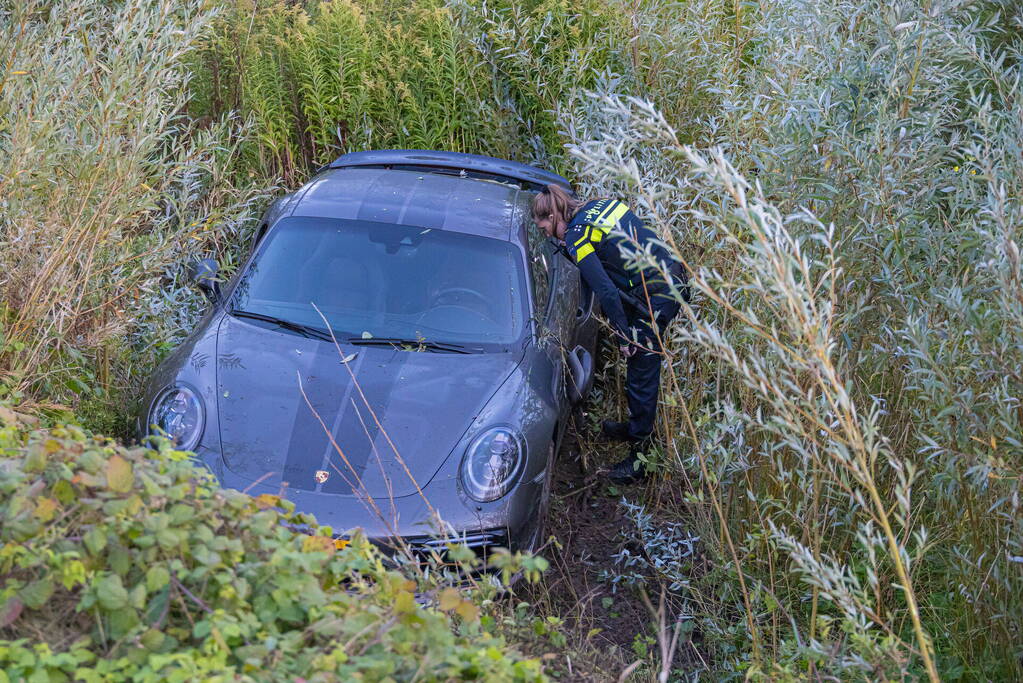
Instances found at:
x=381 y=424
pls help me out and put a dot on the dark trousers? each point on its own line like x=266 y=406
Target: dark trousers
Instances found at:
x=643 y=376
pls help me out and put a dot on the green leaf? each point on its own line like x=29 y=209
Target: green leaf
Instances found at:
x=46 y=508
x=35 y=461
x=111 y=594
x=35 y=594
x=119 y=559
x=64 y=492
x=95 y=540
x=122 y=621
x=157 y=605
x=137 y=596
x=120 y=476
x=157 y=577
x=404 y=602
x=167 y=538
x=181 y=513
x=152 y=639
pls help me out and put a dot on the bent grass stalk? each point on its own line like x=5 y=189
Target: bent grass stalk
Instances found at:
x=755 y=217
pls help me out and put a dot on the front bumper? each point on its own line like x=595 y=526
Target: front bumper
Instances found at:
x=424 y=523
x=433 y=551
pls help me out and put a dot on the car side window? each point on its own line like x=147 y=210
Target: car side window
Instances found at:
x=540 y=260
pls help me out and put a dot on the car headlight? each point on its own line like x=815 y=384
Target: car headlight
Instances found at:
x=492 y=463
x=179 y=414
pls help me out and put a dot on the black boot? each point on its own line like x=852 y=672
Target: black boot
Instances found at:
x=614 y=431
x=629 y=470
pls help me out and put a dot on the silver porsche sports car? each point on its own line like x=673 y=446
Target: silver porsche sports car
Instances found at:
x=400 y=346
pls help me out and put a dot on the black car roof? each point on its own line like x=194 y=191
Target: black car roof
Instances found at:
x=431 y=200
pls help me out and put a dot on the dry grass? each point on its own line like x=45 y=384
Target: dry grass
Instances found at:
x=106 y=186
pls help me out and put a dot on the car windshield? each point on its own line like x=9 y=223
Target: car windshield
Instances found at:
x=378 y=280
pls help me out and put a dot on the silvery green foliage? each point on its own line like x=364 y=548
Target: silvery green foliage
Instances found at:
x=855 y=238
x=724 y=437
x=107 y=185
x=666 y=552
x=220 y=213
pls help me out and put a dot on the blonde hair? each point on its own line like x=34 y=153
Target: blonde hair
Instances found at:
x=554 y=199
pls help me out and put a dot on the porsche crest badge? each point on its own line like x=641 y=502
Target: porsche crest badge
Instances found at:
x=321 y=476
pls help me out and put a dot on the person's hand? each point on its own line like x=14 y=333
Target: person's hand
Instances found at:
x=626 y=350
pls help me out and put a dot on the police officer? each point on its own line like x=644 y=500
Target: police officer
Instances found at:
x=598 y=236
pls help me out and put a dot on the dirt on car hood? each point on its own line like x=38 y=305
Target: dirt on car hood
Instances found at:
x=292 y=413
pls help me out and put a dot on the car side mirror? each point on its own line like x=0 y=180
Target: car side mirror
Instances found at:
x=204 y=274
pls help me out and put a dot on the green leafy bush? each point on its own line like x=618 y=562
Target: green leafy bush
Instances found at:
x=130 y=564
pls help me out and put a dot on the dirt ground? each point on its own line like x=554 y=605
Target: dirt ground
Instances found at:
x=586 y=520
x=607 y=633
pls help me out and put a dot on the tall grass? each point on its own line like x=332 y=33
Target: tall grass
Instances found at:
x=105 y=186
x=321 y=79
x=847 y=386
x=341 y=76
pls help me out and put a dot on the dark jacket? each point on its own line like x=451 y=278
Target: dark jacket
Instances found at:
x=598 y=239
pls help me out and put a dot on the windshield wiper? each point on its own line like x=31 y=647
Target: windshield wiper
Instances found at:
x=307 y=330
x=424 y=344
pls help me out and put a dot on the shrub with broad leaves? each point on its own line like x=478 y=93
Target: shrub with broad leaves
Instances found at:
x=131 y=564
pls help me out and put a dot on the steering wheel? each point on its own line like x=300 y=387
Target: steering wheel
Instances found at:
x=455 y=307
x=459 y=292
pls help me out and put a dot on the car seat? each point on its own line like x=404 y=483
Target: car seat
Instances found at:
x=336 y=282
